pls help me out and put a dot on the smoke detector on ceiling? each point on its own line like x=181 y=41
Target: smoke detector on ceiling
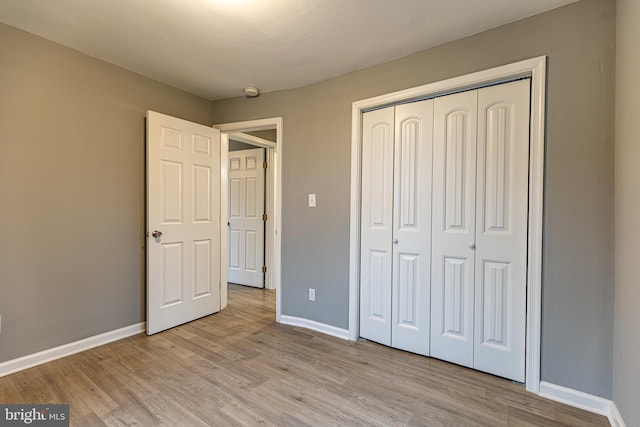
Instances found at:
x=251 y=92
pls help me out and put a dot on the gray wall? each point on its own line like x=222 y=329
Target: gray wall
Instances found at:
x=72 y=201
x=579 y=40
x=237 y=145
x=268 y=134
x=626 y=373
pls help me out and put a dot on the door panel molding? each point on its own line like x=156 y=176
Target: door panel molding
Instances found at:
x=535 y=69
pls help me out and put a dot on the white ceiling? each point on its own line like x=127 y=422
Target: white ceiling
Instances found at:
x=214 y=48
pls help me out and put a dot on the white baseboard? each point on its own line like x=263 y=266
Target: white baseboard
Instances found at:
x=15 y=365
x=615 y=418
x=586 y=401
x=315 y=326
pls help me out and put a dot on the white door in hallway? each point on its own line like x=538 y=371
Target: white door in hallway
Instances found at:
x=183 y=221
x=246 y=223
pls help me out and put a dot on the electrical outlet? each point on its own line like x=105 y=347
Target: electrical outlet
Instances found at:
x=312 y=200
x=312 y=294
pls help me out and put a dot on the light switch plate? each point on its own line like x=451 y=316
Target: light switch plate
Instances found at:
x=312 y=200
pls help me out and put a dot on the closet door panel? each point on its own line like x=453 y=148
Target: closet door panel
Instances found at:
x=412 y=227
x=453 y=227
x=376 y=225
x=501 y=224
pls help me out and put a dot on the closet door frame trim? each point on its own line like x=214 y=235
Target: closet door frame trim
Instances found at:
x=535 y=69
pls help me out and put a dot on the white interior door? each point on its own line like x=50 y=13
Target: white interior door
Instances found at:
x=501 y=229
x=246 y=224
x=376 y=225
x=453 y=232
x=412 y=227
x=480 y=200
x=396 y=226
x=183 y=221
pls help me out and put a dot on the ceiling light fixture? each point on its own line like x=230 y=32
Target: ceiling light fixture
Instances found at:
x=251 y=92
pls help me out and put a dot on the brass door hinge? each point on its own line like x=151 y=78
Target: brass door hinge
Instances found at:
x=264 y=269
x=264 y=217
x=265 y=165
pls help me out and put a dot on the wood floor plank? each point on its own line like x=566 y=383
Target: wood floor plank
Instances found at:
x=239 y=367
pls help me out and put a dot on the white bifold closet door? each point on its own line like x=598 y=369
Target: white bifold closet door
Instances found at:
x=479 y=251
x=396 y=226
x=454 y=202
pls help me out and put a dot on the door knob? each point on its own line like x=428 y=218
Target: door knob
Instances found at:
x=395 y=241
x=156 y=234
x=472 y=245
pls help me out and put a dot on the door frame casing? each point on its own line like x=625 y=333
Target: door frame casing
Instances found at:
x=535 y=69
x=273 y=196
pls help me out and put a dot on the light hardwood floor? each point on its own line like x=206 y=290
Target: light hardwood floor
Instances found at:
x=239 y=367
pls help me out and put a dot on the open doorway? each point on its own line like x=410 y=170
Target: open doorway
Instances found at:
x=258 y=136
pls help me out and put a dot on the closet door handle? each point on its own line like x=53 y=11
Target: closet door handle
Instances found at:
x=472 y=245
x=395 y=241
